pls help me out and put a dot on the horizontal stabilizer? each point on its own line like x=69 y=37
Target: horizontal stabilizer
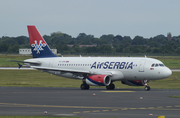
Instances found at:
x=30 y=62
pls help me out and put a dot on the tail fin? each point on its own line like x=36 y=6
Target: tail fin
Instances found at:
x=39 y=47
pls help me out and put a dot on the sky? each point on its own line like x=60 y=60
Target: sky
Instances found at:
x=146 y=18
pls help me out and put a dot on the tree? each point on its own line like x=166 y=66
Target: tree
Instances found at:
x=4 y=47
x=138 y=40
x=105 y=49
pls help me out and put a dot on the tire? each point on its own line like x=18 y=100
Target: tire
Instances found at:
x=84 y=87
x=110 y=87
x=87 y=87
x=147 y=88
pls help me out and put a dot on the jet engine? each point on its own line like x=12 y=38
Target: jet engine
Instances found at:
x=98 y=80
x=134 y=82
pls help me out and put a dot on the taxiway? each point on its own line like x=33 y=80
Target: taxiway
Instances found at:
x=125 y=103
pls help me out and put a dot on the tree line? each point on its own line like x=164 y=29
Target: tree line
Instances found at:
x=104 y=44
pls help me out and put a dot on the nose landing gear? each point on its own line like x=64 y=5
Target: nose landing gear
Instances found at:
x=147 y=87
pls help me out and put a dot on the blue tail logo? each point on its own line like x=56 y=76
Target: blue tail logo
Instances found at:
x=37 y=47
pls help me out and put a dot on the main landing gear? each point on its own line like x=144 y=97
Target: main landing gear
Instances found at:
x=110 y=86
x=84 y=87
x=147 y=87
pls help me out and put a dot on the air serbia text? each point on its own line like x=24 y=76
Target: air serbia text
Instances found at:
x=112 y=65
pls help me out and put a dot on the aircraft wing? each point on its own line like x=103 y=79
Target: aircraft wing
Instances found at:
x=71 y=70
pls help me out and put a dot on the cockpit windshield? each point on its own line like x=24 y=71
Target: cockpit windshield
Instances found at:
x=162 y=65
x=157 y=65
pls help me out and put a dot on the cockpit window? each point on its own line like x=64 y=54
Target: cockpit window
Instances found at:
x=162 y=65
x=156 y=65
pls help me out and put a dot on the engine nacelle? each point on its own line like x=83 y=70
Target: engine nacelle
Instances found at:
x=98 y=80
x=134 y=82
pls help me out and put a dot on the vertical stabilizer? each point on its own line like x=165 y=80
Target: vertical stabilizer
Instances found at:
x=39 y=47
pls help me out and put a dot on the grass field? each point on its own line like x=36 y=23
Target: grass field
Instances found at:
x=5 y=63
x=35 y=78
x=169 y=61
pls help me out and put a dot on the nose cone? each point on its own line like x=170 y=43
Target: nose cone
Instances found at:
x=167 y=72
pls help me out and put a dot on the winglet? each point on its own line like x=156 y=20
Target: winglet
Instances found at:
x=39 y=47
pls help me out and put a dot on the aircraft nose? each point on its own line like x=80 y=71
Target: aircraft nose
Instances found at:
x=167 y=72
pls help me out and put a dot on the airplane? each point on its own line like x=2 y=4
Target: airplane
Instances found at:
x=94 y=71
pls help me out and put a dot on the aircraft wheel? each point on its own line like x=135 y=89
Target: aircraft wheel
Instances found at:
x=84 y=87
x=107 y=87
x=110 y=87
x=147 y=88
x=87 y=87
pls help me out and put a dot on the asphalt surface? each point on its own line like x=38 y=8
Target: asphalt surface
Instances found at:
x=121 y=103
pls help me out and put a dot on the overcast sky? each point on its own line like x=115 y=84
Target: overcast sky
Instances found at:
x=147 y=18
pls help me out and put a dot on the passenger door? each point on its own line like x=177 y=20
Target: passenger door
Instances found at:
x=141 y=65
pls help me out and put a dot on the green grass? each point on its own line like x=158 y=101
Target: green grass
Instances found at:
x=175 y=96
x=5 y=63
x=35 y=78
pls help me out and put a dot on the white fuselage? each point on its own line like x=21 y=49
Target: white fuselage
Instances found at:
x=119 y=68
